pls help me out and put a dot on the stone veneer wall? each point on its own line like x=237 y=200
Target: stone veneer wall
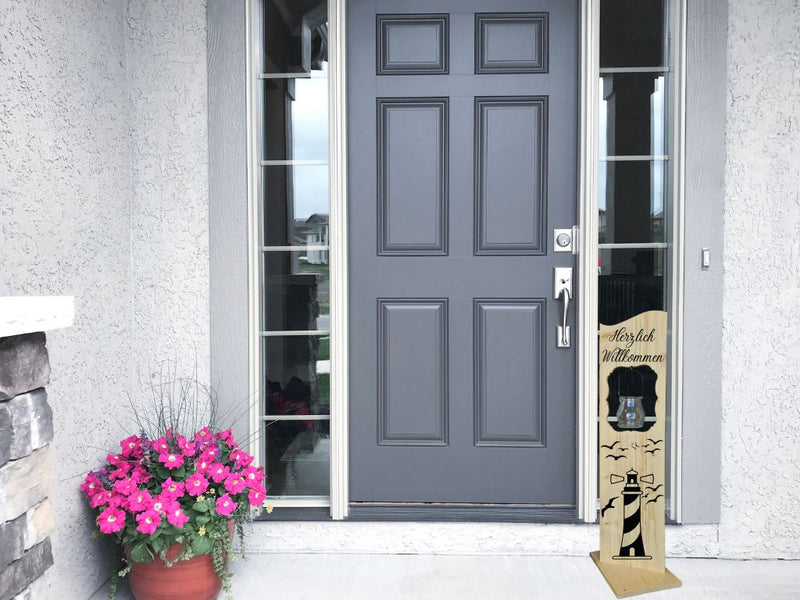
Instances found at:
x=26 y=429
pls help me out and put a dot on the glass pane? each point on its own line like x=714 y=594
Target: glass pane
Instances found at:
x=296 y=291
x=295 y=35
x=631 y=33
x=630 y=281
x=631 y=201
x=298 y=458
x=296 y=205
x=296 y=118
x=632 y=114
x=297 y=375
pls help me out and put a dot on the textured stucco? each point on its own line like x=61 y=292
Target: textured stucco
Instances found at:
x=761 y=345
x=166 y=60
x=103 y=176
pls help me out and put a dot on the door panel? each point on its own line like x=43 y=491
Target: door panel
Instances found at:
x=462 y=159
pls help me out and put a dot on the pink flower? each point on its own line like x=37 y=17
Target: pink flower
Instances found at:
x=188 y=448
x=160 y=445
x=161 y=503
x=148 y=521
x=202 y=465
x=203 y=435
x=176 y=516
x=139 y=501
x=256 y=496
x=91 y=485
x=225 y=505
x=131 y=447
x=196 y=484
x=117 y=501
x=140 y=475
x=170 y=460
x=225 y=435
x=253 y=476
x=218 y=472
x=209 y=453
x=234 y=483
x=111 y=520
x=172 y=489
x=100 y=498
x=126 y=487
x=122 y=470
x=241 y=458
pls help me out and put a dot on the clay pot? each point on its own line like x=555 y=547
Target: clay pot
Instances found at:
x=192 y=579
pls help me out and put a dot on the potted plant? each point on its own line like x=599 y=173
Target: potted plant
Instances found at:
x=171 y=503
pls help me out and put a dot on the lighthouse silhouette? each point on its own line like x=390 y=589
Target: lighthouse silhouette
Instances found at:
x=632 y=545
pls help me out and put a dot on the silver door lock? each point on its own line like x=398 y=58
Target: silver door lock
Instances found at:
x=564 y=240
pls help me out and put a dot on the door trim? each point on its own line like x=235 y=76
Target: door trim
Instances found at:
x=587 y=388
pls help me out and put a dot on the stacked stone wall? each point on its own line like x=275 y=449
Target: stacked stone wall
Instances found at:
x=26 y=430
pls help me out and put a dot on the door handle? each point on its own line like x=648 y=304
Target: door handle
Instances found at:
x=562 y=289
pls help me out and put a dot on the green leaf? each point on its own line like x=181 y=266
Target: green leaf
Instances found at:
x=158 y=545
x=179 y=473
x=200 y=506
x=141 y=553
x=201 y=545
x=202 y=520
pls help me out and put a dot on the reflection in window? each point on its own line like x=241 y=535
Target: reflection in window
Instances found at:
x=295 y=290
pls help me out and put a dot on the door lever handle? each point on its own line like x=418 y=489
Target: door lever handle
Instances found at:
x=563 y=342
x=562 y=290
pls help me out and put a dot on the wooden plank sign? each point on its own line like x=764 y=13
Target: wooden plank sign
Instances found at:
x=632 y=413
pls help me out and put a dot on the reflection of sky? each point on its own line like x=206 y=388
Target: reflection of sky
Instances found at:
x=657 y=146
x=310 y=142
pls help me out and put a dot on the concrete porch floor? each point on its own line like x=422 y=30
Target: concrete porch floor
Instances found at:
x=447 y=577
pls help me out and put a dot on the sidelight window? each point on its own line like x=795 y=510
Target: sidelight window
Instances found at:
x=294 y=283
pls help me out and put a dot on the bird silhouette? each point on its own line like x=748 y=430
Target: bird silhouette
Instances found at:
x=655 y=489
x=655 y=499
x=615 y=457
x=609 y=504
x=653 y=451
x=611 y=447
x=654 y=442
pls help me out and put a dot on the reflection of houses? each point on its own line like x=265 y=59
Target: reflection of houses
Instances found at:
x=312 y=231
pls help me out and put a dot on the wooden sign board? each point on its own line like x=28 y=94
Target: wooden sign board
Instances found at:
x=632 y=394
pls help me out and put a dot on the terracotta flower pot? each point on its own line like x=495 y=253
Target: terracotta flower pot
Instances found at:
x=192 y=579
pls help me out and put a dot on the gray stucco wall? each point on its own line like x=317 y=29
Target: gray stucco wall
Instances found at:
x=761 y=345
x=103 y=195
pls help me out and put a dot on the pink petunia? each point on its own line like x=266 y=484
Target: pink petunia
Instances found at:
x=186 y=447
x=140 y=475
x=209 y=454
x=196 y=484
x=161 y=503
x=111 y=520
x=126 y=487
x=170 y=460
x=122 y=470
x=160 y=445
x=225 y=505
x=253 y=476
x=176 y=516
x=256 y=496
x=218 y=472
x=225 y=435
x=91 y=485
x=139 y=501
x=100 y=498
x=131 y=447
x=241 y=458
x=234 y=483
x=148 y=521
x=173 y=489
x=203 y=435
x=202 y=465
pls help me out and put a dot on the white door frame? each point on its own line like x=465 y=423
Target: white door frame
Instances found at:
x=587 y=200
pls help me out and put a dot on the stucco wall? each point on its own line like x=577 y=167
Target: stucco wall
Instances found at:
x=761 y=341
x=103 y=178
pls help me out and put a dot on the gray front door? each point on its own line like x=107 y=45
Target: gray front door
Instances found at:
x=462 y=133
